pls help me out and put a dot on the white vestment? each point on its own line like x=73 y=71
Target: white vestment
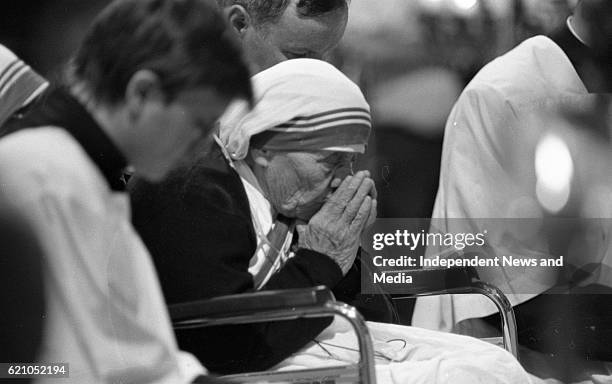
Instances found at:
x=106 y=316
x=483 y=132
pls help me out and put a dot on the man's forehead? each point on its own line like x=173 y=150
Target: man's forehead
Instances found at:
x=316 y=34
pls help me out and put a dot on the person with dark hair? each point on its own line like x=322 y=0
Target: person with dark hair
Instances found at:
x=144 y=89
x=490 y=118
x=169 y=39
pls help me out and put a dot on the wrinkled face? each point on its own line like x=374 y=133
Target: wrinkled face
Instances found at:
x=298 y=183
x=294 y=36
x=172 y=130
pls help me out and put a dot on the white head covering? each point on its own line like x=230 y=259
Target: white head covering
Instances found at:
x=19 y=84
x=300 y=104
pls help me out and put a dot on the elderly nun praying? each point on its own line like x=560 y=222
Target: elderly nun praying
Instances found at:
x=273 y=203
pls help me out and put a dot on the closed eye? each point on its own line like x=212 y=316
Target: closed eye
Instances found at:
x=333 y=158
x=340 y=157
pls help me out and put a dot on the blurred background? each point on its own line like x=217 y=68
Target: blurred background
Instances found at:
x=411 y=57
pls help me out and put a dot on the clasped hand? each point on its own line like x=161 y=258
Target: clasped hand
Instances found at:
x=336 y=229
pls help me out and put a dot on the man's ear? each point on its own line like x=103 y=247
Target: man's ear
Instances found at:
x=238 y=18
x=143 y=86
x=260 y=157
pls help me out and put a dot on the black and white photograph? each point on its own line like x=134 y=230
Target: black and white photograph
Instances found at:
x=306 y=191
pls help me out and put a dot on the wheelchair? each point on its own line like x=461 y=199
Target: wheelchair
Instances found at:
x=265 y=306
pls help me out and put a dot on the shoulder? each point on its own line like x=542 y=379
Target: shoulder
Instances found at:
x=521 y=60
x=535 y=69
x=47 y=155
x=31 y=145
x=209 y=175
x=47 y=160
x=47 y=177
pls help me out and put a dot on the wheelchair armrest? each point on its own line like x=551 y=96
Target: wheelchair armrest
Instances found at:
x=460 y=280
x=265 y=306
x=250 y=303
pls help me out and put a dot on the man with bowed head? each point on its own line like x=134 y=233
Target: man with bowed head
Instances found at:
x=145 y=86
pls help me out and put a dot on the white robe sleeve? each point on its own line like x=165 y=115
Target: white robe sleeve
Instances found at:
x=482 y=140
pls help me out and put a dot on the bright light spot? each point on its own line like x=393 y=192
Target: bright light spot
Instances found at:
x=465 y=5
x=553 y=162
x=554 y=171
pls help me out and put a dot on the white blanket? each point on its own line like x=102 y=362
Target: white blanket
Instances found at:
x=413 y=355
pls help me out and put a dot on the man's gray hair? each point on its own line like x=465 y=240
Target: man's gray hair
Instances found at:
x=270 y=10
